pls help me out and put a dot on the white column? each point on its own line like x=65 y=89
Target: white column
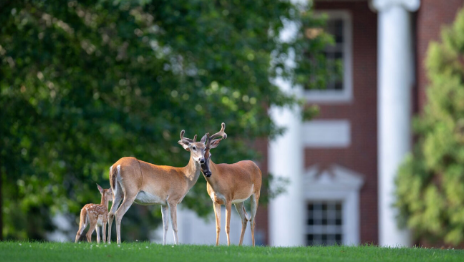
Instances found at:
x=395 y=79
x=286 y=217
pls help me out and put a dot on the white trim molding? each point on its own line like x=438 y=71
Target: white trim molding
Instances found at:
x=345 y=95
x=337 y=183
x=327 y=134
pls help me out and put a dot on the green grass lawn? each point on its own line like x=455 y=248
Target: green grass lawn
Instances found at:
x=144 y=251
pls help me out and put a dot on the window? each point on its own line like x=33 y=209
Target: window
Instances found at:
x=324 y=223
x=334 y=53
x=332 y=205
x=338 y=55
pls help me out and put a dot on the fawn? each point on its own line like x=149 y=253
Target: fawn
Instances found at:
x=95 y=215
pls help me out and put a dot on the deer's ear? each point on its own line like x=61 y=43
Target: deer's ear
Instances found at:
x=100 y=188
x=203 y=139
x=184 y=144
x=214 y=143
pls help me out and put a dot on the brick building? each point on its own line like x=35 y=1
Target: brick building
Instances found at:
x=342 y=164
x=344 y=183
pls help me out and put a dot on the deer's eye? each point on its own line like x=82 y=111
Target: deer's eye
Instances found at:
x=194 y=148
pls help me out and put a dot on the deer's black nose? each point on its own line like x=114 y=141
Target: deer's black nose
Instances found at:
x=202 y=161
x=207 y=173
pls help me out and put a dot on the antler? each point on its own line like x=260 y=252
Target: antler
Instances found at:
x=187 y=139
x=220 y=134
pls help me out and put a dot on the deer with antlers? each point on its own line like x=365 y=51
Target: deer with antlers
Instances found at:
x=231 y=184
x=96 y=216
x=133 y=180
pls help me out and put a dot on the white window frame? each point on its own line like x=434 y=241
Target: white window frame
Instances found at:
x=345 y=95
x=337 y=184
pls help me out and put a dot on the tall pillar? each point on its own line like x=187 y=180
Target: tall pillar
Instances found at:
x=286 y=217
x=395 y=79
x=286 y=212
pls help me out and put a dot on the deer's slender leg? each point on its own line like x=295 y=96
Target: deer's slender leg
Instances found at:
x=117 y=197
x=79 y=233
x=217 y=214
x=97 y=229
x=228 y=213
x=254 y=208
x=173 y=208
x=104 y=232
x=82 y=224
x=243 y=215
x=126 y=204
x=93 y=223
x=164 y=213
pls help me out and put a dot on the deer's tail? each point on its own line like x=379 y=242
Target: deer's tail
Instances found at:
x=248 y=218
x=113 y=174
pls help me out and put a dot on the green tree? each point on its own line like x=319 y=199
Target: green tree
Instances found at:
x=83 y=83
x=430 y=183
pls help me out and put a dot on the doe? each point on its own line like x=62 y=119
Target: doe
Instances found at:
x=137 y=181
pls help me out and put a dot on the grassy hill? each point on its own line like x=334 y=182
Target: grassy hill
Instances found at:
x=144 y=251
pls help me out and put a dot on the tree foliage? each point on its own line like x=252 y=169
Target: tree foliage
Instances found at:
x=430 y=183
x=83 y=83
